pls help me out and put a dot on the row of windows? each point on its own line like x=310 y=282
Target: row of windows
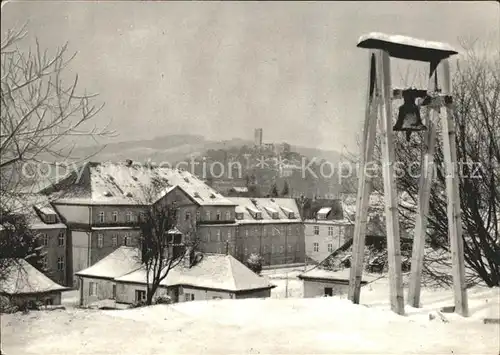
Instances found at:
x=60 y=263
x=44 y=239
x=330 y=230
x=316 y=247
x=274 y=230
x=131 y=217
x=265 y=249
x=217 y=236
x=126 y=241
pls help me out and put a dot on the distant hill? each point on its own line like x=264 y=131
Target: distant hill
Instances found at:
x=172 y=149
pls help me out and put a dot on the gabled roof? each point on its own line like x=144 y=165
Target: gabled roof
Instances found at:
x=114 y=183
x=23 y=278
x=266 y=206
x=121 y=261
x=213 y=271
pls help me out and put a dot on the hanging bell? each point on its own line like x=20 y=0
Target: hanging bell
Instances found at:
x=409 y=119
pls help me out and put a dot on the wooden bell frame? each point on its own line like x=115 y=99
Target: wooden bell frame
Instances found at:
x=379 y=108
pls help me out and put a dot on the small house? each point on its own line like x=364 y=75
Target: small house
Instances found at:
x=121 y=277
x=24 y=285
x=319 y=282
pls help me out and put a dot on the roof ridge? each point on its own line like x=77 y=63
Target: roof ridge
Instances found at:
x=230 y=261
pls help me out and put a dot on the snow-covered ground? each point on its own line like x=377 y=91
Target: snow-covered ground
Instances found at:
x=265 y=326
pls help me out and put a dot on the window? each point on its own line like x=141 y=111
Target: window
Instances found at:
x=246 y=232
x=126 y=240
x=44 y=262
x=188 y=215
x=115 y=240
x=255 y=250
x=208 y=215
x=272 y=248
x=188 y=297
x=114 y=291
x=265 y=249
x=316 y=230
x=228 y=216
x=289 y=229
x=282 y=248
x=45 y=239
x=217 y=233
x=92 y=289
x=219 y=250
x=328 y=291
x=297 y=247
x=330 y=230
x=246 y=251
x=115 y=216
x=129 y=216
x=330 y=247
x=100 y=240
x=140 y=295
x=60 y=239
x=316 y=247
x=197 y=215
x=273 y=231
x=60 y=263
x=49 y=302
x=228 y=234
x=289 y=248
x=101 y=217
x=218 y=216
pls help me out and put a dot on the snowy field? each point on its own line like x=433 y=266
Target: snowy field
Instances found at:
x=268 y=326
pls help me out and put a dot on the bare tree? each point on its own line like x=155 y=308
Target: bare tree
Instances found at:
x=39 y=117
x=163 y=245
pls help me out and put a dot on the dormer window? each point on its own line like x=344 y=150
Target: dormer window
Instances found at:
x=129 y=216
x=115 y=216
x=101 y=217
x=228 y=216
x=197 y=215
x=207 y=214
x=323 y=212
x=218 y=216
x=239 y=215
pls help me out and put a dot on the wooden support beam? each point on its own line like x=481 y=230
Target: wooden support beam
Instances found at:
x=453 y=194
x=364 y=187
x=390 y=192
x=424 y=191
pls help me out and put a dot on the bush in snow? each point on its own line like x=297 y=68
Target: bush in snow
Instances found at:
x=163 y=300
x=254 y=263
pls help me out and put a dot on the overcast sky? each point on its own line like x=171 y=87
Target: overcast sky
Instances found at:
x=223 y=69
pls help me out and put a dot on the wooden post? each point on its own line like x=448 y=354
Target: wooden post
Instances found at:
x=390 y=192
x=453 y=194
x=424 y=191
x=367 y=147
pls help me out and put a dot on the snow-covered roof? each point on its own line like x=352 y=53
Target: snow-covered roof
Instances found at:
x=239 y=189
x=22 y=278
x=115 y=183
x=213 y=271
x=324 y=211
x=266 y=206
x=339 y=275
x=27 y=204
x=121 y=261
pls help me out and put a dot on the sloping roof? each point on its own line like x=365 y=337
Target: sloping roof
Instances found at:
x=313 y=207
x=341 y=275
x=22 y=278
x=213 y=271
x=121 y=261
x=123 y=183
x=265 y=206
x=26 y=204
